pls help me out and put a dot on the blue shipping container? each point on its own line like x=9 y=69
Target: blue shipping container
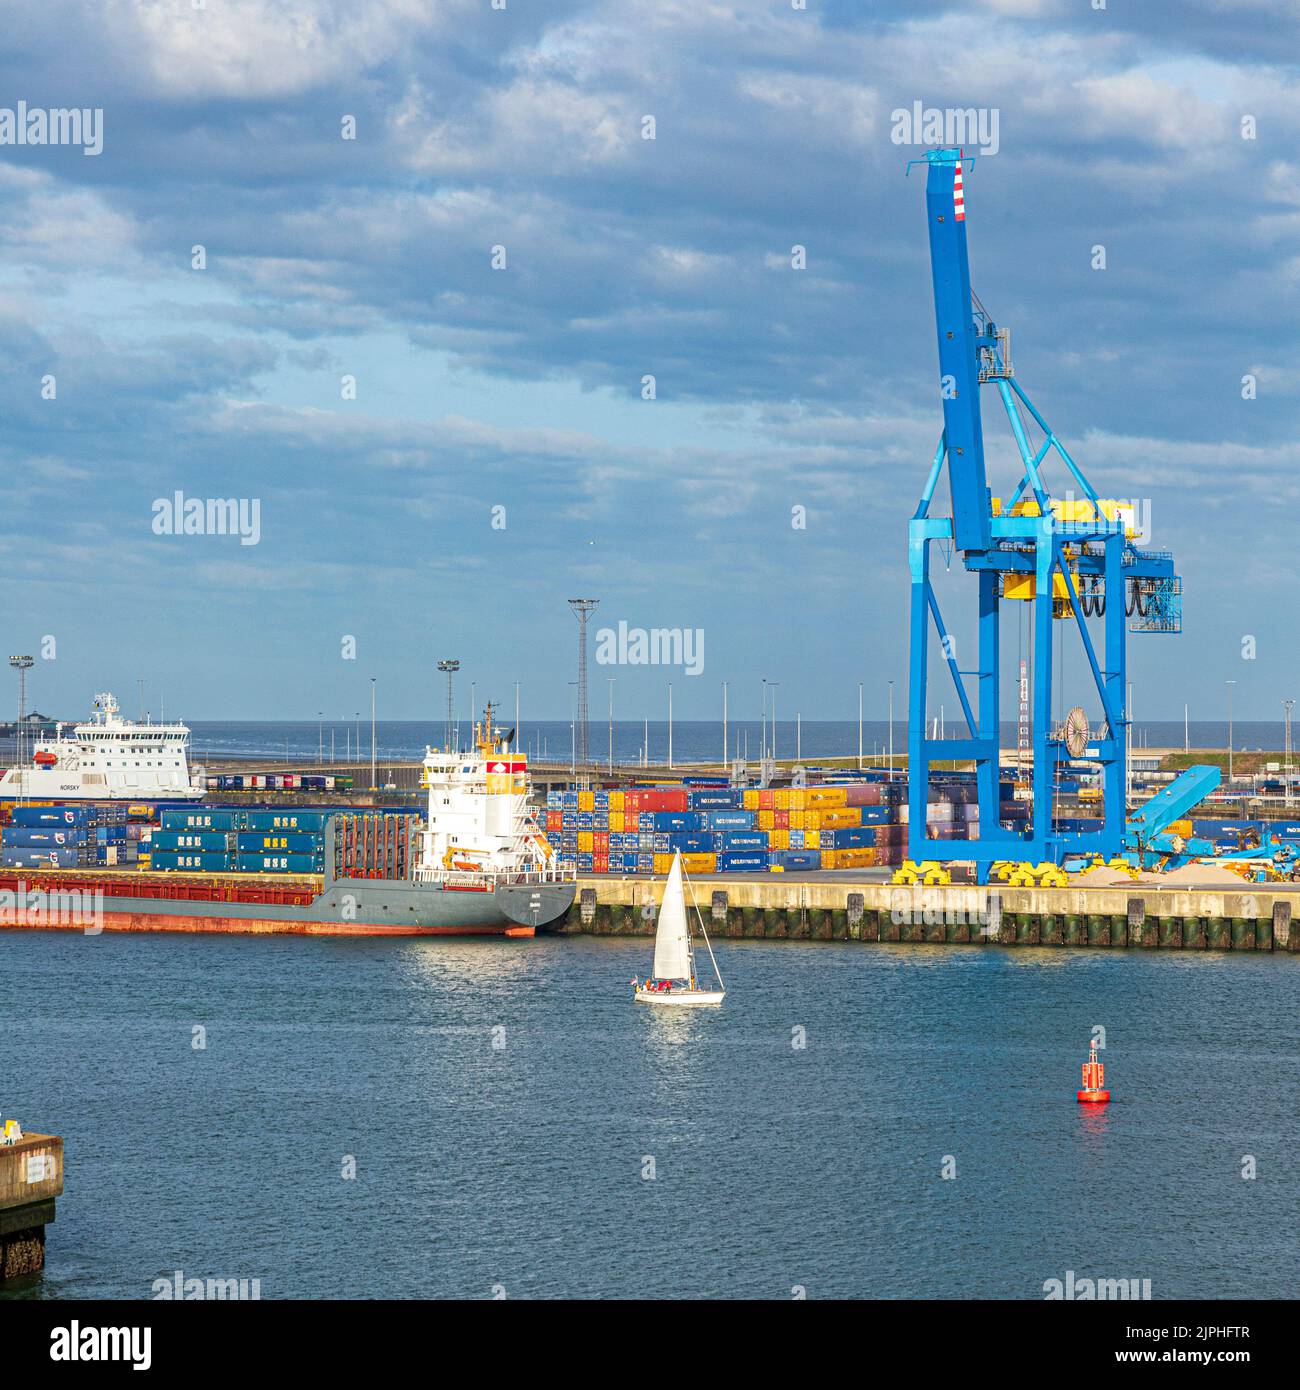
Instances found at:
x=266 y=842
x=742 y=861
x=284 y=820
x=170 y=840
x=729 y=820
x=692 y=841
x=199 y=818
x=797 y=859
x=52 y=857
x=49 y=815
x=716 y=800
x=190 y=861
x=20 y=837
x=279 y=863
x=741 y=839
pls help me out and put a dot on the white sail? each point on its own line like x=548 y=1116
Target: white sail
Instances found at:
x=672 y=946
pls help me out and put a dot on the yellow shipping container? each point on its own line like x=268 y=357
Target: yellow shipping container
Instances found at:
x=827 y=796
x=781 y=799
x=663 y=863
x=698 y=863
x=616 y=821
x=812 y=839
x=1180 y=827
x=812 y=820
x=798 y=798
x=780 y=839
x=830 y=858
x=844 y=816
x=750 y=801
x=767 y=820
x=797 y=820
x=617 y=801
x=851 y=858
x=586 y=842
x=586 y=801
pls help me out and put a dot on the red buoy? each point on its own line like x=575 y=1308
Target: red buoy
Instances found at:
x=1093 y=1091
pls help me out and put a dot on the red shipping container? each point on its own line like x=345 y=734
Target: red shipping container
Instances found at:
x=766 y=799
x=555 y=820
x=862 y=794
x=631 y=820
x=602 y=842
x=600 y=863
x=781 y=820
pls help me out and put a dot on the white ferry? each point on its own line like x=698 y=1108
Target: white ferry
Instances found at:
x=108 y=759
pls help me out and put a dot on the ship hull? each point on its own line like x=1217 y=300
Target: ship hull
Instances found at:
x=346 y=907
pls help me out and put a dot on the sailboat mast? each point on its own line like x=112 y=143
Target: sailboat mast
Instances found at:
x=708 y=945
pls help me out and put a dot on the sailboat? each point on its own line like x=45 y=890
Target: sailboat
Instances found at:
x=674 y=980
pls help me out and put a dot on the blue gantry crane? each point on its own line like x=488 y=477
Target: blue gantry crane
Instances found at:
x=1068 y=557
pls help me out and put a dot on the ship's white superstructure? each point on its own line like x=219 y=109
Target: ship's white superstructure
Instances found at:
x=478 y=826
x=107 y=759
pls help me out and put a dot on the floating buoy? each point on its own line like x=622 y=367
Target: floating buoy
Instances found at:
x=1093 y=1090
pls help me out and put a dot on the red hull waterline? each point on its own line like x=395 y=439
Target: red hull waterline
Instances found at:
x=260 y=926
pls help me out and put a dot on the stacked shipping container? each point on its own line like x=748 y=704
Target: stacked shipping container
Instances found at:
x=719 y=829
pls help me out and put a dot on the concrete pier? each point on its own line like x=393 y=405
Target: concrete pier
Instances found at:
x=31 y=1177
x=1258 y=918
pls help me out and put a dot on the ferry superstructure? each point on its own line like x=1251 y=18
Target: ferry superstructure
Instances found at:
x=108 y=758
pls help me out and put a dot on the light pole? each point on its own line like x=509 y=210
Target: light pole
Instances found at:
x=1286 y=764
x=611 y=680
x=859 y=726
x=449 y=668
x=358 y=744
x=573 y=732
x=372 y=733
x=798 y=736
x=724 y=724
x=22 y=664
x=516 y=716
x=891 y=728
x=774 y=685
x=320 y=736
x=1230 y=684
x=670 y=725
x=1187 y=741
x=763 y=755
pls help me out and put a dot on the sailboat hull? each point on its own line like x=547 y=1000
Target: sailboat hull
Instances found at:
x=681 y=996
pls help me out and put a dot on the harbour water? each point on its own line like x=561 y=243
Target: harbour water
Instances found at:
x=518 y=1125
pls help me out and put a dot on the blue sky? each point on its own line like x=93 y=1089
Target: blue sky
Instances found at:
x=522 y=387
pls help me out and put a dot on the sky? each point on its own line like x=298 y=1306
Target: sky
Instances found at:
x=275 y=283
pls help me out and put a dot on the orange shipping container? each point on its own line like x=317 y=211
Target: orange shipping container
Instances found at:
x=699 y=863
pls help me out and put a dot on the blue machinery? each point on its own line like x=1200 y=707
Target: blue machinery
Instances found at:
x=1068 y=557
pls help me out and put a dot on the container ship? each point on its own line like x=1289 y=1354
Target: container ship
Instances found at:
x=108 y=759
x=477 y=864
